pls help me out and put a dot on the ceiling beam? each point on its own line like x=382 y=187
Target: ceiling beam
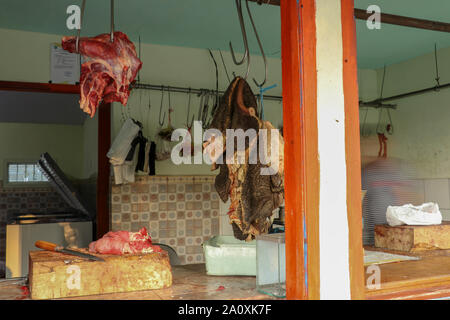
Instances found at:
x=388 y=19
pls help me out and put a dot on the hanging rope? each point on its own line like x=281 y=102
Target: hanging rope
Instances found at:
x=261 y=98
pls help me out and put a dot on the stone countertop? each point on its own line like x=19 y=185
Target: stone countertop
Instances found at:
x=190 y=282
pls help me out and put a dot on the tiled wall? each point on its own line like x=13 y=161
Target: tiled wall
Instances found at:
x=180 y=211
x=24 y=200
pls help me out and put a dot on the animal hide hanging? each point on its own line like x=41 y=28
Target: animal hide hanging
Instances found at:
x=254 y=196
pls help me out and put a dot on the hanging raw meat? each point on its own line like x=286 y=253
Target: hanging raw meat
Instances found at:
x=108 y=71
x=253 y=196
x=123 y=242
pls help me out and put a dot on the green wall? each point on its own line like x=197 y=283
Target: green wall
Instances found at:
x=26 y=141
x=421 y=123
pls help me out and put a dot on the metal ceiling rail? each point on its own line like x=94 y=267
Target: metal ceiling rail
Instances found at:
x=388 y=18
x=408 y=94
x=146 y=86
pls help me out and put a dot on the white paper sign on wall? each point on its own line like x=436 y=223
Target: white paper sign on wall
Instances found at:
x=64 y=66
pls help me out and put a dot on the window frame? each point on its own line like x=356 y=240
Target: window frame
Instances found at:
x=21 y=184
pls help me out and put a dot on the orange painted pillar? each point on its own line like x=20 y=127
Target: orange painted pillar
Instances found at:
x=299 y=99
x=322 y=166
x=353 y=153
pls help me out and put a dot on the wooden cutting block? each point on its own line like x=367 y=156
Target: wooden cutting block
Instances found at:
x=57 y=275
x=413 y=238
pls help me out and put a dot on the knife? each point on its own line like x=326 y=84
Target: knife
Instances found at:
x=53 y=247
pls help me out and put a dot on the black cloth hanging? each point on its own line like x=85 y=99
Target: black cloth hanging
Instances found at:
x=152 y=159
x=133 y=148
x=142 y=141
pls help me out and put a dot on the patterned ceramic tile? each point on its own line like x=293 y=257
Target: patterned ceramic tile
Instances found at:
x=179 y=211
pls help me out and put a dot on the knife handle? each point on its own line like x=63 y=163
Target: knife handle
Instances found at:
x=46 y=245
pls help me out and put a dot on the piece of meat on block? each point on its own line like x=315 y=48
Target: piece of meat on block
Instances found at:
x=124 y=242
x=109 y=70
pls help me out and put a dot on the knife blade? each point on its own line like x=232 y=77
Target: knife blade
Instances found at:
x=53 y=247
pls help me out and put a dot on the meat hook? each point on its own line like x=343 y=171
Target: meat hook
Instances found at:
x=79 y=29
x=217 y=83
x=200 y=108
x=170 y=108
x=160 y=108
x=260 y=47
x=437 y=68
x=244 y=37
x=189 y=124
x=147 y=124
x=112 y=20
x=205 y=123
x=224 y=66
x=389 y=128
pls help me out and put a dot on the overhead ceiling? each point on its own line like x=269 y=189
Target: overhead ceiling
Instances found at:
x=212 y=23
x=392 y=44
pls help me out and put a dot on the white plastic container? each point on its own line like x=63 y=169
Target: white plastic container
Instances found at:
x=271 y=264
x=225 y=255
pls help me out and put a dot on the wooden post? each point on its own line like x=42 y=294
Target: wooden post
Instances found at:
x=352 y=151
x=104 y=143
x=301 y=157
x=322 y=160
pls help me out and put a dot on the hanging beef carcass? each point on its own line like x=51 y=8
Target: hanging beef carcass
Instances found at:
x=253 y=196
x=108 y=71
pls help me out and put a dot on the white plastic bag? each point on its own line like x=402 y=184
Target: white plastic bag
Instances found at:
x=425 y=214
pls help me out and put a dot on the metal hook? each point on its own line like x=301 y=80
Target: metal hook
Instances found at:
x=160 y=108
x=200 y=108
x=79 y=30
x=170 y=107
x=244 y=37
x=205 y=124
x=437 y=69
x=389 y=127
x=112 y=21
x=224 y=66
x=382 y=84
x=260 y=47
x=139 y=56
x=217 y=82
x=363 y=131
x=189 y=124
x=148 y=113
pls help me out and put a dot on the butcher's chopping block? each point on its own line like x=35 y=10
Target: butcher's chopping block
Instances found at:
x=57 y=275
x=413 y=238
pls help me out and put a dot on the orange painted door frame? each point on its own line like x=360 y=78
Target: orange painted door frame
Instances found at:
x=299 y=102
x=352 y=150
x=302 y=189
